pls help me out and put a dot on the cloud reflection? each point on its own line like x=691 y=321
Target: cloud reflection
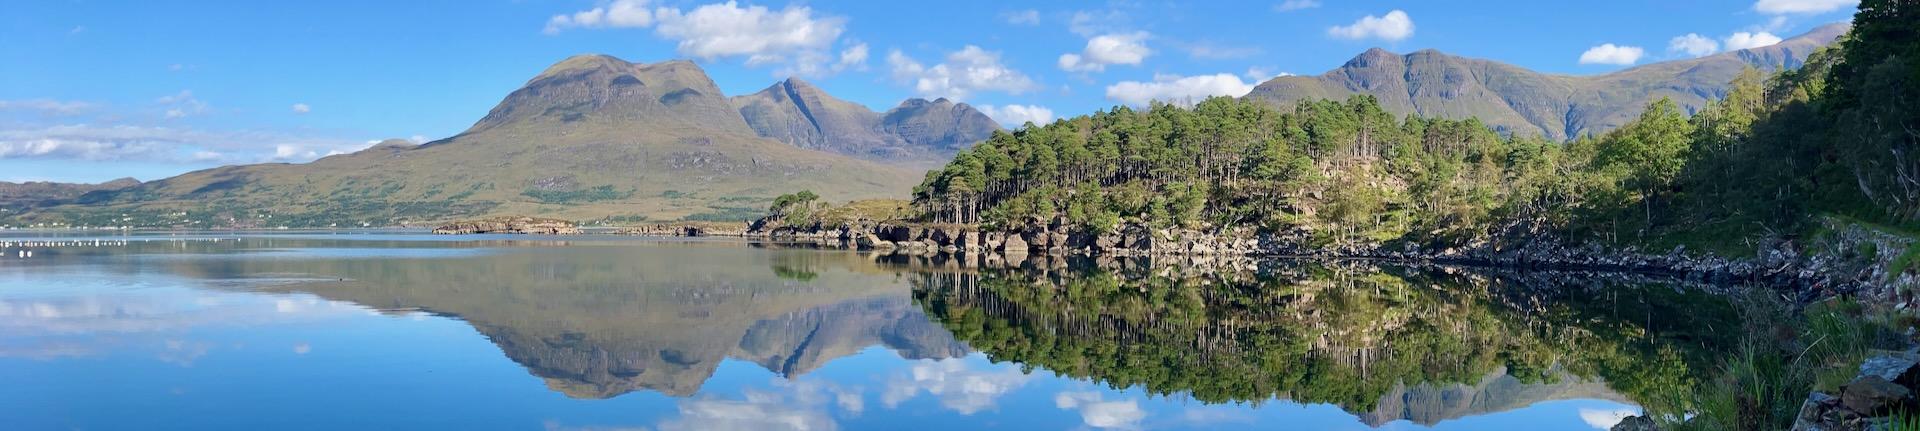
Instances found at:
x=958 y=387
x=1097 y=412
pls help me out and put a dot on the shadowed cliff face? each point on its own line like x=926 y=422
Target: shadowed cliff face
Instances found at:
x=603 y=88
x=798 y=113
x=1435 y=84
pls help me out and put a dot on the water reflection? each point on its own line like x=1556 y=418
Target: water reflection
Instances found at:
x=1383 y=343
x=621 y=333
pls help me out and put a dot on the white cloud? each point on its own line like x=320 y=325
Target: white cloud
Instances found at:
x=1017 y=115
x=164 y=144
x=1259 y=74
x=1022 y=17
x=761 y=34
x=1108 y=49
x=1605 y=419
x=619 y=13
x=1612 y=54
x=854 y=57
x=793 y=38
x=969 y=70
x=302 y=348
x=1745 y=40
x=1177 y=89
x=1214 y=51
x=958 y=387
x=1802 y=6
x=1693 y=44
x=1097 y=412
x=181 y=105
x=1089 y=23
x=1293 y=5
x=47 y=106
x=301 y=108
x=1395 y=26
x=757 y=412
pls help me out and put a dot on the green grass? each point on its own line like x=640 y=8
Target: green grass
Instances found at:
x=1904 y=420
x=1782 y=358
x=596 y=194
x=1906 y=262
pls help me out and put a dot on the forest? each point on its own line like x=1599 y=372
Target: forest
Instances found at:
x=1836 y=137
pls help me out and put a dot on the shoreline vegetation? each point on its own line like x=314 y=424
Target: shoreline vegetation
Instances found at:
x=1806 y=183
x=1802 y=188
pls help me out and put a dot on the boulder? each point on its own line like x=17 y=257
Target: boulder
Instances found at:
x=1872 y=395
x=1897 y=367
x=1813 y=411
x=1014 y=243
x=870 y=242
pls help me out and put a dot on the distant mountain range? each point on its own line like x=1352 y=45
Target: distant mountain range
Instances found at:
x=1435 y=84
x=592 y=136
x=14 y=196
x=800 y=114
x=595 y=136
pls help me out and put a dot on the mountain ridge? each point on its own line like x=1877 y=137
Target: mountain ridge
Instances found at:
x=803 y=115
x=590 y=137
x=1519 y=100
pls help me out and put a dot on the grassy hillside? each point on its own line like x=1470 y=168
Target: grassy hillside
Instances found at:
x=591 y=137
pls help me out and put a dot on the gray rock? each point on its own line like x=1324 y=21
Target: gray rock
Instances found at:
x=1871 y=395
x=1813 y=412
x=1014 y=243
x=1635 y=423
x=1892 y=366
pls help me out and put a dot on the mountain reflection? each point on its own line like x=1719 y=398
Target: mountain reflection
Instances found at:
x=598 y=322
x=1383 y=343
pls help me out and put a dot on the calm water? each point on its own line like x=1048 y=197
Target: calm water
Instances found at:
x=397 y=331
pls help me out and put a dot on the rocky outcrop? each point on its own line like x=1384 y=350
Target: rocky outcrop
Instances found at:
x=1886 y=384
x=685 y=229
x=1849 y=261
x=510 y=224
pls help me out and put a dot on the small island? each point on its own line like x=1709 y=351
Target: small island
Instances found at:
x=510 y=224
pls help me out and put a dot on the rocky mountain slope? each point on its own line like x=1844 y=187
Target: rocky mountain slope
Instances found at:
x=1511 y=98
x=798 y=113
x=592 y=136
x=18 y=196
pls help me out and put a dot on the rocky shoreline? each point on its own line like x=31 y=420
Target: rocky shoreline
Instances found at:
x=1842 y=264
x=510 y=224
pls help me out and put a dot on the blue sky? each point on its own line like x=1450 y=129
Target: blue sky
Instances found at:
x=95 y=90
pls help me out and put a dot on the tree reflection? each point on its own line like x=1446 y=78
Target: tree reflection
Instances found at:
x=1349 y=334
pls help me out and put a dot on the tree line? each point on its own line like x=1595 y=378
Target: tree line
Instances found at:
x=1840 y=135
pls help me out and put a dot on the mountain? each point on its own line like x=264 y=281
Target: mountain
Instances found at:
x=1428 y=404
x=599 y=322
x=591 y=136
x=1511 y=98
x=18 y=196
x=800 y=114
